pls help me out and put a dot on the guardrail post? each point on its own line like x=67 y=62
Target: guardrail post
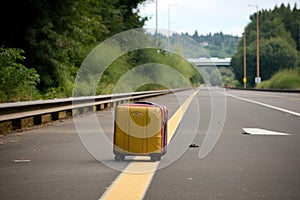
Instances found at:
x=5 y=127
x=63 y=115
x=102 y=106
x=46 y=118
x=26 y=122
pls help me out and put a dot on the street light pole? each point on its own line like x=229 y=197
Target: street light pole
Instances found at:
x=245 y=71
x=257 y=46
x=257 y=78
x=156 y=25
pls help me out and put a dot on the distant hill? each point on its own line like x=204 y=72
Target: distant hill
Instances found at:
x=217 y=44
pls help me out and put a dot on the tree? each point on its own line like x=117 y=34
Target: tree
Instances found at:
x=16 y=81
x=57 y=35
x=278 y=48
x=196 y=36
x=290 y=18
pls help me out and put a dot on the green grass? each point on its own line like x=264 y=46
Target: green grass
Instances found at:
x=284 y=79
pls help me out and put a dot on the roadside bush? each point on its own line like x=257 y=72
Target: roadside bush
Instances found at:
x=17 y=83
x=284 y=79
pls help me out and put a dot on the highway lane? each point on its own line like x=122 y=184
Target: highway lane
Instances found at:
x=59 y=166
x=239 y=167
x=289 y=101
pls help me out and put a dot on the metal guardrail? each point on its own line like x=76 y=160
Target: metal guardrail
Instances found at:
x=268 y=90
x=22 y=115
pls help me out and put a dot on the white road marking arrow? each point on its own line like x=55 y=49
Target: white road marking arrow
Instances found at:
x=258 y=131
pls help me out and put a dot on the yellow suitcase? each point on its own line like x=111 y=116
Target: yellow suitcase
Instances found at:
x=140 y=129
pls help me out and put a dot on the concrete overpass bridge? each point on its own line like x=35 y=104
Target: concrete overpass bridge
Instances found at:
x=210 y=62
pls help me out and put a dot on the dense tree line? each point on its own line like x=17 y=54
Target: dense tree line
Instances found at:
x=217 y=44
x=56 y=35
x=16 y=81
x=43 y=44
x=279 y=43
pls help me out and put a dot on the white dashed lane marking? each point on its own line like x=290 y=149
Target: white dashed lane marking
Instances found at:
x=258 y=131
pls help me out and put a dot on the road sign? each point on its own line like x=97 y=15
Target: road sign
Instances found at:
x=257 y=79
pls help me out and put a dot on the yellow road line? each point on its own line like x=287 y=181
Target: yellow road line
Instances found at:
x=133 y=186
x=177 y=116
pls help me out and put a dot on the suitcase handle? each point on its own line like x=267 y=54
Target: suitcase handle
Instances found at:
x=144 y=102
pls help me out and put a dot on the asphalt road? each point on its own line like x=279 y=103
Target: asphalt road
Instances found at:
x=51 y=162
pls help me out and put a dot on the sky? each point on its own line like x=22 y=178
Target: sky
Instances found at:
x=206 y=16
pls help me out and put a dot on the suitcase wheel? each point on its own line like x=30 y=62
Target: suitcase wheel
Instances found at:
x=119 y=157
x=155 y=158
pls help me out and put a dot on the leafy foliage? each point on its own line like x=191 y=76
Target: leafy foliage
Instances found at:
x=16 y=81
x=221 y=77
x=151 y=75
x=284 y=79
x=279 y=42
x=56 y=36
x=217 y=45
